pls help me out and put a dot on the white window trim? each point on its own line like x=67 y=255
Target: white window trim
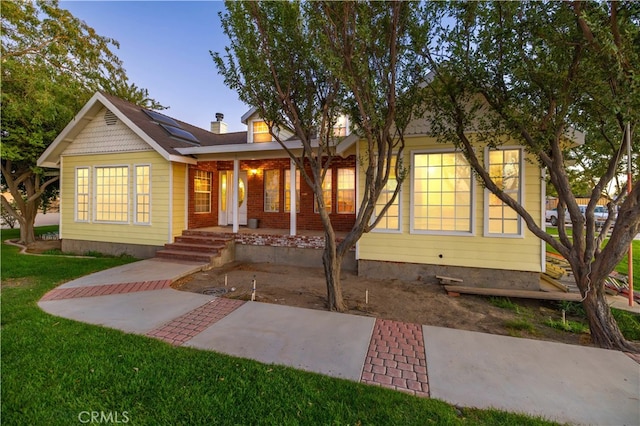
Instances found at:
x=521 y=193
x=472 y=224
x=209 y=192
x=355 y=200
x=298 y=190
x=75 y=201
x=95 y=194
x=135 y=194
x=399 y=200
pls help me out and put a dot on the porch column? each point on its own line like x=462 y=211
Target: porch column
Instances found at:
x=234 y=206
x=292 y=197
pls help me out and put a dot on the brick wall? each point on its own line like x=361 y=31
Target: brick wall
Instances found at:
x=307 y=219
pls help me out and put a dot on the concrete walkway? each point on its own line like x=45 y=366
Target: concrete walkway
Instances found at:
x=566 y=383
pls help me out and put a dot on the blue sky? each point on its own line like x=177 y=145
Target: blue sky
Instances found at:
x=165 y=48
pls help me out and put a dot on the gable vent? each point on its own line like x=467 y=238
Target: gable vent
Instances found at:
x=110 y=118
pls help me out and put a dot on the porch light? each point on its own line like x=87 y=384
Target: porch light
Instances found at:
x=253 y=172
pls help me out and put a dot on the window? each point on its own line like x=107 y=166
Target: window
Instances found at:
x=326 y=193
x=287 y=193
x=202 y=189
x=442 y=193
x=261 y=132
x=82 y=194
x=346 y=194
x=112 y=194
x=340 y=128
x=143 y=194
x=272 y=190
x=505 y=169
x=391 y=219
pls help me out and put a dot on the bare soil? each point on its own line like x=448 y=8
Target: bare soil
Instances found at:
x=42 y=246
x=414 y=302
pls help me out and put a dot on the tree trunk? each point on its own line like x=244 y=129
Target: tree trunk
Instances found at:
x=604 y=329
x=332 y=266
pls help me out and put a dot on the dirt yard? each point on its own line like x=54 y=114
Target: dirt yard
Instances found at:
x=413 y=302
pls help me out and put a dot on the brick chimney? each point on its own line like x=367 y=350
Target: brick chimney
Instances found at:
x=219 y=127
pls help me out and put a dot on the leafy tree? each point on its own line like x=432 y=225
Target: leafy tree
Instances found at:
x=302 y=65
x=529 y=72
x=51 y=65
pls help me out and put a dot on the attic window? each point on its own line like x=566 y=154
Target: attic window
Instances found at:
x=110 y=118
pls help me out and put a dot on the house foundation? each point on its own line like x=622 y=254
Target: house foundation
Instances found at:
x=472 y=277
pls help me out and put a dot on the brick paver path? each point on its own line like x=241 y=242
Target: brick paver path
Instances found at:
x=105 y=289
x=396 y=358
x=183 y=328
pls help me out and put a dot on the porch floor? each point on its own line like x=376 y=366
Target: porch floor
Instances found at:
x=265 y=231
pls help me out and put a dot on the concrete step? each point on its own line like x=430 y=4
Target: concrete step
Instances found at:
x=186 y=255
x=207 y=234
x=201 y=240
x=194 y=246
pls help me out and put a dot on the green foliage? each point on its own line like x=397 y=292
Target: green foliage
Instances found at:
x=520 y=324
x=568 y=326
x=51 y=65
x=504 y=303
x=628 y=322
x=54 y=368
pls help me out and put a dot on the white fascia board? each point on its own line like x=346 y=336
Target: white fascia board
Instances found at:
x=83 y=117
x=65 y=137
x=248 y=114
x=239 y=148
x=346 y=143
x=575 y=136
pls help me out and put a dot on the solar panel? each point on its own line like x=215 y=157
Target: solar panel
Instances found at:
x=180 y=133
x=160 y=118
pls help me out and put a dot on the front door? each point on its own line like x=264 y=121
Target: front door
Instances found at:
x=226 y=204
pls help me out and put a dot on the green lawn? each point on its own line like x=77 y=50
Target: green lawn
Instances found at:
x=56 y=372
x=623 y=266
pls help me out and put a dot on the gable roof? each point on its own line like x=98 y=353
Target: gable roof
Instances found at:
x=143 y=125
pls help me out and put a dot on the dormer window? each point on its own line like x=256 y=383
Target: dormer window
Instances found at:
x=261 y=132
x=341 y=128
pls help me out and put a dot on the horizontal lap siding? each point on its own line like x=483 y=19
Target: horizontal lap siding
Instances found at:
x=521 y=254
x=154 y=234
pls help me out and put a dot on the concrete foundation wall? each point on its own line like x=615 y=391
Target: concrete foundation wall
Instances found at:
x=114 y=249
x=472 y=277
x=304 y=257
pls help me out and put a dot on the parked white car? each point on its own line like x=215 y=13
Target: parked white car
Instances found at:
x=600 y=214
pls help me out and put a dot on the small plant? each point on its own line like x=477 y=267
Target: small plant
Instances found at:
x=568 y=326
x=520 y=324
x=572 y=308
x=504 y=303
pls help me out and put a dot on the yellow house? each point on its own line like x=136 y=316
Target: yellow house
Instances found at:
x=132 y=180
x=445 y=223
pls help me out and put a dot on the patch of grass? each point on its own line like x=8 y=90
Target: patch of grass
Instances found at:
x=568 y=326
x=53 y=369
x=53 y=252
x=505 y=303
x=622 y=267
x=520 y=324
x=628 y=322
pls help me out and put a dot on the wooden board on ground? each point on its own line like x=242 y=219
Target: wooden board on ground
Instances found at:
x=524 y=294
x=549 y=284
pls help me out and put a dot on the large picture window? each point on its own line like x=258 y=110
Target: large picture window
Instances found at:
x=505 y=169
x=287 y=191
x=143 y=194
x=272 y=190
x=82 y=194
x=442 y=193
x=112 y=194
x=202 y=191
